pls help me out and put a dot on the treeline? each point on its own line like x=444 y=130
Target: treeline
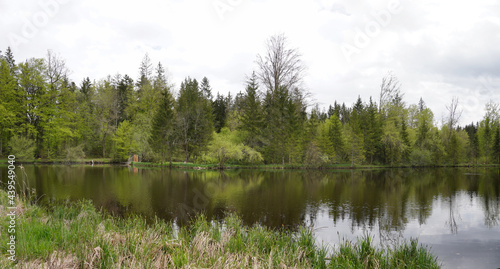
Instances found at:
x=45 y=115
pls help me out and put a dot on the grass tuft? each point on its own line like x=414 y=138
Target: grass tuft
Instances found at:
x=79 y=236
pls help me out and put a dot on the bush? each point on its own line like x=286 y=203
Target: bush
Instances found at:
x=421 y=157
x=23 y=148
x=314 y=158
x=74 y=154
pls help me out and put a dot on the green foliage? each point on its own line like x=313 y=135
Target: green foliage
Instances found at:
x=74 y=154
x=252 y=118
x=226 y=146
x=124 y=143
x=496 y=146
x=38 y=100
x=283 y=115
x=314 y=158
x=194 y=119
x=354 y=145
x=421 y=157
x=10 y=110
x=23 y=148
x=331 y=139
x=163 y=131
x=220 y=109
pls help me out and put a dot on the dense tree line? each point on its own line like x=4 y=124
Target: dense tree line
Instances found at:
x=45 y=115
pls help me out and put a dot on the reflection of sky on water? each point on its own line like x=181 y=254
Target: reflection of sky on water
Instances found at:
x=456 y=230
x=453 y=211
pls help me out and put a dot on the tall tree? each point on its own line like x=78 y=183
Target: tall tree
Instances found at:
x=473 y=150
x=10 y=110
x=220 y=109
x=33 y=84
x=145 y=72
x=390 y=89
x=163 y=131
x=160 y=80
x=194 y=119
x=281 y=72
x=107 y=110
x=125 y=95
x=87 y=119
x=9 y=57
x=496 y=146
x=373 y=132
x=280 y=66
x=206 y=89
x=252 y=118
x=486 y=128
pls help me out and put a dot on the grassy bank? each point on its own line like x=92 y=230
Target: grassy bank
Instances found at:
x=198 y=166
x=78 y=236
x=63 y=161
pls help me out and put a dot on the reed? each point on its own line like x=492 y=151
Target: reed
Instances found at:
x=79 y=236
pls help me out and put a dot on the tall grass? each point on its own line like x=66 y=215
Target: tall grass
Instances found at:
x=79 y=236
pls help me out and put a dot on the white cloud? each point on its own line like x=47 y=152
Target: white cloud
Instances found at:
x=437 y=49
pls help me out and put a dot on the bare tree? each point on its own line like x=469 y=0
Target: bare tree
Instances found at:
x=56 y=70
x=453 y=114
x=389 y=90
x=280 y=66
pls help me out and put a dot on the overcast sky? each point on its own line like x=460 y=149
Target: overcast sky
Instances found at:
x=437 y=49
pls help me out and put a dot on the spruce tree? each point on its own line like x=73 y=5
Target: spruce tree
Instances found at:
x=252 y=118
x=220 y=109
x=194 y=119
x=163 y=129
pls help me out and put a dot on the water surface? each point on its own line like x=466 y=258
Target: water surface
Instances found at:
x=454 y=210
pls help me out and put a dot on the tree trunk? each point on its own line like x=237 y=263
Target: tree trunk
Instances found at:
x=186 y=154
x=104 y=146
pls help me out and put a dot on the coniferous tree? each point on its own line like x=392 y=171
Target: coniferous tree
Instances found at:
x=252 y=118
x=220 y=109
x=9 y=57
x=163 y=130
x=145 y=72
x=473 y=149
x=373 y=133
x=206 y=89
x=194 y=119
x=125 y=92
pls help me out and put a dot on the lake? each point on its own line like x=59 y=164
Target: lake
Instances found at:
x=456 y=211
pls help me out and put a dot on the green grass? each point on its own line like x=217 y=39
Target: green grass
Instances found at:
x=79 y=236
x=345 y=166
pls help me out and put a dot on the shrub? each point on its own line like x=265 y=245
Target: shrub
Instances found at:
x=421 y=157
x=74 y=154
x=23 y=148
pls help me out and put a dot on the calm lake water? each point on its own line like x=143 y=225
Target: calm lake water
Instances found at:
x=455 y=211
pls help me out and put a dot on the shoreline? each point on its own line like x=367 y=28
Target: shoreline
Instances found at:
x=79 y=235
x=199 y=166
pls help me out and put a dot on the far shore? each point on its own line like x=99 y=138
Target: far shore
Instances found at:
x=202 y=166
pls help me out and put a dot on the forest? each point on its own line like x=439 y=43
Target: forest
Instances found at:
x=271 y=120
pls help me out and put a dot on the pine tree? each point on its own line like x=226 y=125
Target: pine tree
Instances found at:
x=194 y=119
x=125 y=92
x=160 y=80
x=9 y=57
x=163 y=129
x=252 y=118
x=145 y=72
x=373 y=132
x=206 y=89
x=220 y=109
